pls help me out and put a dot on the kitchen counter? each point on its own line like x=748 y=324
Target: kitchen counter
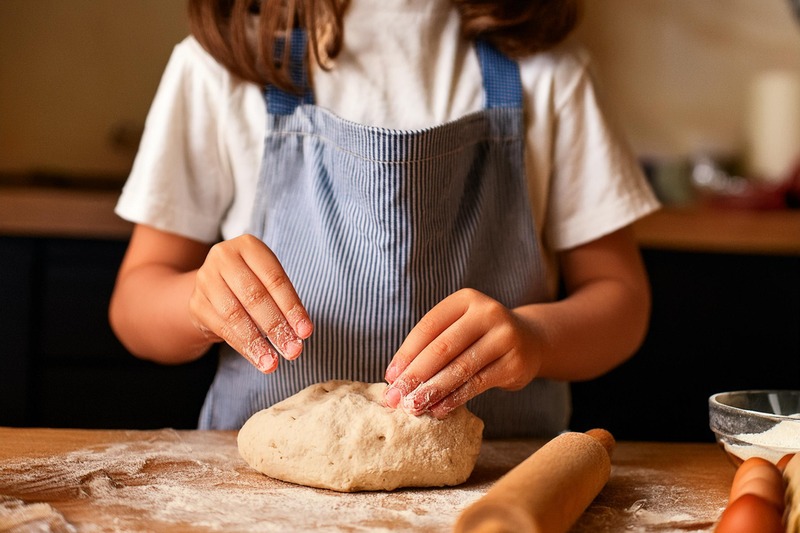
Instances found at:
x=707 y=229
x=85 y=212
x=61 y=212
x=168 y=480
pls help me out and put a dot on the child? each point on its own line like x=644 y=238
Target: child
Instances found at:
x=384 y=189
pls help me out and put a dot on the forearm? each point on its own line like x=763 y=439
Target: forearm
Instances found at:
x=149 y=313
x=590 y=332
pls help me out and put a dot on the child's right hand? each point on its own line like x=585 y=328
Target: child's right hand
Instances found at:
x=243 y=296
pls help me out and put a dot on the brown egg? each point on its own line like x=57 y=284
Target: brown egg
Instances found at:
x=770 y=490
x=749 y=514
x=762 y=478
x=747 y=465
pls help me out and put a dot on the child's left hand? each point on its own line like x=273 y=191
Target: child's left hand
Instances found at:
x=466 y=344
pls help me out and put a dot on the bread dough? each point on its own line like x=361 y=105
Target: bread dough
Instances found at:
x=340 y=435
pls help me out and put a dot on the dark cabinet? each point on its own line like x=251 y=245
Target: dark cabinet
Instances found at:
x=16 y=310
x=720 y=322
x=62 y=366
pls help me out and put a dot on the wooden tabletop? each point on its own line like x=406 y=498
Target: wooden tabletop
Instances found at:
x=168 y=480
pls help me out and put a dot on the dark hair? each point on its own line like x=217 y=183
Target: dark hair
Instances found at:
x=231 y=33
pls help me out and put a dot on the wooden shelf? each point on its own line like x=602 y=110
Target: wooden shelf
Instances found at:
x=61 y=212
x=705 y=229
x=64 y=212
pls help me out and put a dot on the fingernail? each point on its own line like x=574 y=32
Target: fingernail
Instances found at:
x=392 y=397
x=417 y=402
x=267 y=363
x=303 y=328
x=391 y=373
x=284 y=339
x=264 y=357
x=292 y=349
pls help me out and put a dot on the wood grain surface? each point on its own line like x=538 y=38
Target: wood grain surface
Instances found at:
x=169 y=480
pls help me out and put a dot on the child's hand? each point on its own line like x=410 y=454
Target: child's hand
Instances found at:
x=465 y=345
x=243 y=296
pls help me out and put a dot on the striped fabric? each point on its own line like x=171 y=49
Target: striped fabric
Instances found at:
x=376 y=226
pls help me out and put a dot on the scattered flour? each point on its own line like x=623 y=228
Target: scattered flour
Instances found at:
x=18 y=517
x=654 y=502
x=179 y=482
x=196 y=481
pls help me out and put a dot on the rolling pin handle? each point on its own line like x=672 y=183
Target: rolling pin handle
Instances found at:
x=605 y=438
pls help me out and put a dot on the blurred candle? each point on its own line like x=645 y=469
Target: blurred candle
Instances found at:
x=773 y=132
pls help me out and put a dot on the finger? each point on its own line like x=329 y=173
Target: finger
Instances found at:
x=273 y=278
x=221 y=312
x=412 y=386
x=432 y=358
x=462 y=369
x=264 y=313
x=509 y=370
x=431 y=326
x=261 y=306
x=486 y=378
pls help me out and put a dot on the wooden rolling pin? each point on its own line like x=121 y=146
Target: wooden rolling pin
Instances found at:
x=547 y=492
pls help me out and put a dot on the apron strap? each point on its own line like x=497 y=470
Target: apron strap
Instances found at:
x=280 y=102
x=501 y=79
x=502 y=85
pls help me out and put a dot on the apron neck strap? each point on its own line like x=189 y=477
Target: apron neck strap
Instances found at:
x=501 y=79
x=280 y=102
x=502 y=85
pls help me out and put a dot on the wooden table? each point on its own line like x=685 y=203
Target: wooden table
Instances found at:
x=167 y=480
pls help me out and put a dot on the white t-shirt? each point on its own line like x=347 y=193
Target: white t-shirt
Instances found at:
x=403 y=66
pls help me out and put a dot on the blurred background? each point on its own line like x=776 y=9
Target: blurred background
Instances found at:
x=78 y=79
x=706 y=92
x=680 y=74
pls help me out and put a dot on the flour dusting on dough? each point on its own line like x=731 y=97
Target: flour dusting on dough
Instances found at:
x=339 y=435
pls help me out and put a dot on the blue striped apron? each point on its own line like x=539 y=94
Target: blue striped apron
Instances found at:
x=375 y=226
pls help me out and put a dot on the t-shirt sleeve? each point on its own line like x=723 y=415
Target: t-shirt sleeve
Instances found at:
x=177 y=182
x=598 y=185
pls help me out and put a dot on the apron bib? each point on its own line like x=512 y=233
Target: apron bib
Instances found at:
x=375 y=226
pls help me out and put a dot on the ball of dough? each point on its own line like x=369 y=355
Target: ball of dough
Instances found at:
x=339 y=435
